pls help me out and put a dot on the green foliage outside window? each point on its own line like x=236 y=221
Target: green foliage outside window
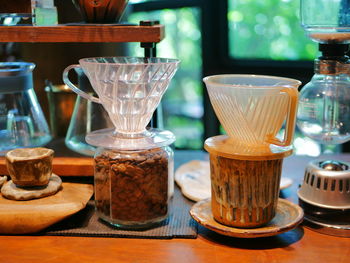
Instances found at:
x=268 y=29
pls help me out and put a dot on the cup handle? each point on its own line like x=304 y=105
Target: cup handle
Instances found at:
x=291 y=118
x=76 y=89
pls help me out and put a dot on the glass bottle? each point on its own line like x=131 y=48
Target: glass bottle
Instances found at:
x=324 y=102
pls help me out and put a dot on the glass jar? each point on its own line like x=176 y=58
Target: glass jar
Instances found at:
x=132 y=186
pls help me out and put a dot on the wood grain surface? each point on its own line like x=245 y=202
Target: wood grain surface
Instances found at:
x=22 y=217
x=64 y=166
x=298 y=245
x=82 y=33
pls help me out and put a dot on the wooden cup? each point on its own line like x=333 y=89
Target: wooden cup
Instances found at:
x=244 y=192
x=30 y=166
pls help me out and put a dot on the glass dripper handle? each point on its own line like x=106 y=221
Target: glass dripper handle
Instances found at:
x=291 y=118
x=75 y=88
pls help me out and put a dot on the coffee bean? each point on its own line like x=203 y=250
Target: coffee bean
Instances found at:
x=132 y=185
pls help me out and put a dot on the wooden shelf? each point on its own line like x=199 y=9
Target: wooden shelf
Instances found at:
x=82 y=33
x=64 y=166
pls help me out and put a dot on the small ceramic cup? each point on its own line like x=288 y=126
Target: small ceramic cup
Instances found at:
x=30 y=166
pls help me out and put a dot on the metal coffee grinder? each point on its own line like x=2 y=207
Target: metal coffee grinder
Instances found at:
x=324 y=115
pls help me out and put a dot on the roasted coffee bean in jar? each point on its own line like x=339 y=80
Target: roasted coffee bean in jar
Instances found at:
x=131 y=187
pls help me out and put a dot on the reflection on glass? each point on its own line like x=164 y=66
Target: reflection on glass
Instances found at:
x=182 y=103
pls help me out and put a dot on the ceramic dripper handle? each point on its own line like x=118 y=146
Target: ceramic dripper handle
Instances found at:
x=291 y=118
x=75 y=88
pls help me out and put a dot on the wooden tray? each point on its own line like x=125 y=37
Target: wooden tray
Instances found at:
x=23 y=217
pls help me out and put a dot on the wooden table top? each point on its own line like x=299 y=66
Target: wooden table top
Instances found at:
x=298 y=245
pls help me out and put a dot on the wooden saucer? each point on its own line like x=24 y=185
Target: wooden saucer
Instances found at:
x=13 y=192
x=288 y=216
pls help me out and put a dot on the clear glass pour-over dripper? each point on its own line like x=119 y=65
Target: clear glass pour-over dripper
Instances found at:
x=130 y=89
x=134 y=166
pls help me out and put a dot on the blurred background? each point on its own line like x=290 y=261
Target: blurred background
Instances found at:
x=209 y=37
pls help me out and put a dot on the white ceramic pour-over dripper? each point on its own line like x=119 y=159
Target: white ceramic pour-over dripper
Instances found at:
x=129 y=89
x=252 y=108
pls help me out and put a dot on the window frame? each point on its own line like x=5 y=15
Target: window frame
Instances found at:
x=215 y=52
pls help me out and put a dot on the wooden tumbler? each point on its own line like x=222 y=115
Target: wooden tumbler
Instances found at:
x=244 y=185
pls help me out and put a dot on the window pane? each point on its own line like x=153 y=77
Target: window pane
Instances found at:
x=268 y=29
x=182 y=104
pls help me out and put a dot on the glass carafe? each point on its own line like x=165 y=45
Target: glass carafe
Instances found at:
x=87 y=116
x=22 y=122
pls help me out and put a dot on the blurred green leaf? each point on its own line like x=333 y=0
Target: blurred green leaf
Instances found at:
x=274 y=24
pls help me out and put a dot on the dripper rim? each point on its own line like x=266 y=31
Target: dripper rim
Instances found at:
x=168 y=60
x=208 y=80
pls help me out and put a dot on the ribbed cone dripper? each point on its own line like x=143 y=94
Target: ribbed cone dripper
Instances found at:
x=252 y=108
x=129 y=88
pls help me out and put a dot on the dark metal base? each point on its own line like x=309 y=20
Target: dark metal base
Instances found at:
x=334 y=222
x=326 y=228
